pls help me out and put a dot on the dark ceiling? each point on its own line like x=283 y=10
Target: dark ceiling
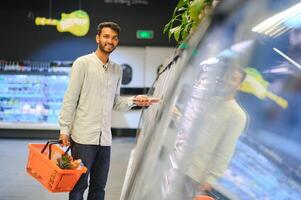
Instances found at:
x=19 y=36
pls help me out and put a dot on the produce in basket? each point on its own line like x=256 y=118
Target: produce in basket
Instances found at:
x=66 y=162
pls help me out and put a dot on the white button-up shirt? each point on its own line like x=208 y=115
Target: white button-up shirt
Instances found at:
x=93 y=91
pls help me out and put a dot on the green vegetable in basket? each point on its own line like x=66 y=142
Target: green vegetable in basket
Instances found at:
x=66 y=162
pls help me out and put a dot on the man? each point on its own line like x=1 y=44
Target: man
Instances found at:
x=85 y=118
x=221 y=129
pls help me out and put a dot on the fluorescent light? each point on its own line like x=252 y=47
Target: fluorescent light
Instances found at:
x=283 y=70
x=287 y=58
x=281 y=22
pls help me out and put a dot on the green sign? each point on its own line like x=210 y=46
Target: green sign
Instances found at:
x=145 y=34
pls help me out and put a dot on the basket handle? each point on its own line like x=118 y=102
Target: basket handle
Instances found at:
x=211 y=194
x=50 y=143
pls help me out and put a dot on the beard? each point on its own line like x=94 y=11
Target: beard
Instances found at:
x=104 y=49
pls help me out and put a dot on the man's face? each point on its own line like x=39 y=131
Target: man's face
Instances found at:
x=237 y=79
x=107 y=40
x=228 y=85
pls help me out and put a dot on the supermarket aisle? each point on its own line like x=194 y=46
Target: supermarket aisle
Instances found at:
x=15 y=184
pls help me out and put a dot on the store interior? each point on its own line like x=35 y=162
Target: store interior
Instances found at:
x=155 y=149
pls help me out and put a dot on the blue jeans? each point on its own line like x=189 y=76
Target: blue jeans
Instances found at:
x=97 y=160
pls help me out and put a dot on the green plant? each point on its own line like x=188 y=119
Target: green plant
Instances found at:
x=186 y=16
x=66 y=162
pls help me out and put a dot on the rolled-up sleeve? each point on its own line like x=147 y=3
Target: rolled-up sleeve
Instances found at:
x=71 y=97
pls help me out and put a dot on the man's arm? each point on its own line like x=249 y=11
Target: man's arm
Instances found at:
x=126 y=103
x=70 y=101
x=122 y=103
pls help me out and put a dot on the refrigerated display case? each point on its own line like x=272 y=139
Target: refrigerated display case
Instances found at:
x=31 y=93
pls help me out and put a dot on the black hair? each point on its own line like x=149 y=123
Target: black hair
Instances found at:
x=231 y=65
x=243 y=74
x=111 y=25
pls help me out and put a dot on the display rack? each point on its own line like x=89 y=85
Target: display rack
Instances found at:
x=31 y=93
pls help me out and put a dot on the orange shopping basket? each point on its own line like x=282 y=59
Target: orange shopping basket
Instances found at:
x=203 y=197
x=42 y=166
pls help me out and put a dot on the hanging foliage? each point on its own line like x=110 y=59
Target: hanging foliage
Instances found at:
x=186 y=16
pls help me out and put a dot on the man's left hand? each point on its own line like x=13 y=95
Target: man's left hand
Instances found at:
x=142 y=100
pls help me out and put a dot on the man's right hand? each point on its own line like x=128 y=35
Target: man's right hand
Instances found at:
x=65 y=140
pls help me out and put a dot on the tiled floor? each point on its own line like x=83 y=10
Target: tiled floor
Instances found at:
x=15 y=184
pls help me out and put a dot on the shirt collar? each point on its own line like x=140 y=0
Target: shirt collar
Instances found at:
x=104 y=65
